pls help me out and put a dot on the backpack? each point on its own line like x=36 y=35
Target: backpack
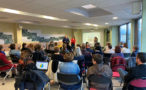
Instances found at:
x=118 y=62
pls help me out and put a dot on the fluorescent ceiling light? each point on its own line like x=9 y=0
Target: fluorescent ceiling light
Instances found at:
x=89 y=24
x=95 y=25
x=89 y=6
x=115 y=18
x=106 y=23
x=66 y=26
x=30 y=14
x=77 y=13
x=27 y=22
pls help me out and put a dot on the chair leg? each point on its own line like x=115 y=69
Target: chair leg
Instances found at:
x=3 y=82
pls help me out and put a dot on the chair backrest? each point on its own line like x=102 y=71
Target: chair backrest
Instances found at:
x=118 y=62
x=99 y=79
x=131 y=62
x=122 y=73
x=139 y=82
x=127 y=55
x=107 y=55
x=68 y=79
x=14 y=58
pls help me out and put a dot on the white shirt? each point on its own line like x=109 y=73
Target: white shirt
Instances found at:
x=125 y=50
x=109 y=51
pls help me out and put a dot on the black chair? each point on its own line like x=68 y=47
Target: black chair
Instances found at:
x=99 y=79
x=107 y=55
x=137 y=84
x=122 y=74
x=69 y=79
x=127 y=55
x=14 y=58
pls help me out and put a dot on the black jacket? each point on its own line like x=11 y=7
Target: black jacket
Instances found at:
x=136 y=72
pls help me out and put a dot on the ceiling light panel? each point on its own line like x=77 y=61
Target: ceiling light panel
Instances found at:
x=89 y=6
x=115 y=18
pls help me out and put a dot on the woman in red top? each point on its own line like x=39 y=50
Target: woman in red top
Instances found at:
x=73 y=41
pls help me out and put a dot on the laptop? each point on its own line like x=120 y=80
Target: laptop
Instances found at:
x=42 y=65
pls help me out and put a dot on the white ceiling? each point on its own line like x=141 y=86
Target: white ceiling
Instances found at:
x=57 y=8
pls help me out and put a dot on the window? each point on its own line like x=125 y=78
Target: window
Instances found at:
x=123 y=30
x=128 y=35
x=139 y=33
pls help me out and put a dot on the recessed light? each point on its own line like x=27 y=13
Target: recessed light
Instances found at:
x=89 y=6
x=66 y=26
x=106 y=23
x=115 y=18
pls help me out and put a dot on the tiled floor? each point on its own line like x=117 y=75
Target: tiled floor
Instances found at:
x=9 y=85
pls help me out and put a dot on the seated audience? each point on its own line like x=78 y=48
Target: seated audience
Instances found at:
x=137 y=72
x=6 y=64
x=135 y=51
x=1 y=50
x=84 y=50
x=117 y=52
x=38 y=55
x=13 y=51
x=99 y=69
x=125 y=49
x=24 y=47
x=78 y=50
x=51 y=46
x=107 y=46
x=64 y=49
x=88 y=48
x=30 y=77
x=109 y=49
x=56 y=57
x=98 y=48
x=31 y=47
x=69 y=67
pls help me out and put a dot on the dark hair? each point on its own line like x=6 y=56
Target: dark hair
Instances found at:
x=125 y=45
x=12 y=46
x=37 y=47
x=1 y=47
x=136 y=48
x=23 y=45
x=117 y=49
x=26 y=54
x=142 y=57
x=110 y=46
x=98 y=58
x=68 y=57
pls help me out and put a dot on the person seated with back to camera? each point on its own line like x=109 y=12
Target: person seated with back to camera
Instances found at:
x=88 y=48
x=109 y=49
x=99 y=69
x=7 y=63
x=98 y=49
x=137 y=72
x=125 y=49
x=135 y=51
x=13 y=51
x=28 y=72
x=69 y=67
x=117 y=52
x=39 y=54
